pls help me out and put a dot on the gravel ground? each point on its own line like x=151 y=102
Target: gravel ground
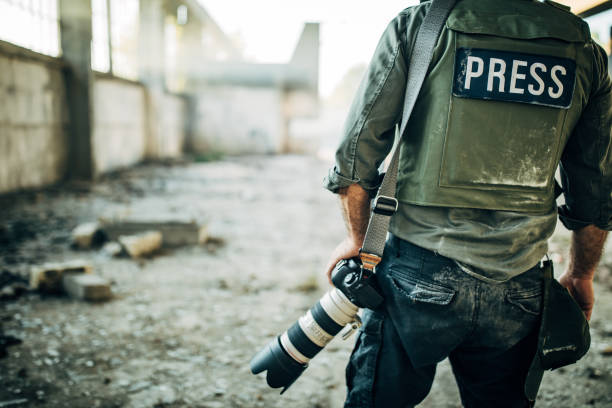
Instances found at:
x=183 y=325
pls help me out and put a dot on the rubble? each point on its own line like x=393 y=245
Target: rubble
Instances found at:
x=112 y=249
x=141 y=245
x=183 y=327
x=88 y=287
x=12 y=286
x=88 y=235
x=175 y=232
x=47 y=278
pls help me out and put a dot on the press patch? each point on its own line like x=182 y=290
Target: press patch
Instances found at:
x=514 y=77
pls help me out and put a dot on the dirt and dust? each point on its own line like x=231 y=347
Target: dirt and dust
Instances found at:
x=183 y=325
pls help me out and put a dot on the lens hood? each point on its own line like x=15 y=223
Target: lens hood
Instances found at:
x=282 y=369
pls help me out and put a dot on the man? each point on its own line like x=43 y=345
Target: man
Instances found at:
x=515 y=87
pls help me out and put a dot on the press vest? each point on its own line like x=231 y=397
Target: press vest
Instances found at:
x=502 y=96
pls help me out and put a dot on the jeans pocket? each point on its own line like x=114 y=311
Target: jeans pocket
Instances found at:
x=417 y=289
x=527 y=300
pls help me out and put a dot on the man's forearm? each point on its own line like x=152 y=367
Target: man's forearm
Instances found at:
x=355 y=203
x=585 y=252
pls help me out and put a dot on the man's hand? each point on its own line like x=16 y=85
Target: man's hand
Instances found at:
x=585 y=252
x=581 y=290
x=355 y=203
x=345 y=250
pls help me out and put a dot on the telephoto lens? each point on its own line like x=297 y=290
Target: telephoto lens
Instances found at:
x=286 y=357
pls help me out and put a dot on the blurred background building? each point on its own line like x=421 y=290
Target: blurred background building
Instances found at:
x=91 y=86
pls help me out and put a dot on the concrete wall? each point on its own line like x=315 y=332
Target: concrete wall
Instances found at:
x=239 y=120
x=33 y=120
x=174 y=126
x=119 y=135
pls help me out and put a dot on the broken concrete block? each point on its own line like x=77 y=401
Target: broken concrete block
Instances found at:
x=175 y=233
x=87 y=235
x=87 y=287
x=48 y=277
x=112 y=249
x=141 y=245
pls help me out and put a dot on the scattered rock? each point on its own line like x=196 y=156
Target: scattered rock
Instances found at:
x=222 y=284
x=87 y=287
x=13 y=291
x=214 y=243
x=594 y=373
x=141 y=245
x=607 y=351
x=47 y=278
x=112 y=249
x=12 y=286
x=88 y=235
x=175 y=232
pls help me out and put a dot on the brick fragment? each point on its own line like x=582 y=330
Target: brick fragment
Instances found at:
x=87 y=235
x=141 y=245
x=48 y=277
x=175 y=233
x=88 y=287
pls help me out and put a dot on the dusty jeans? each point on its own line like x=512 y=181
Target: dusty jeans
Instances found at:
x=434 y=310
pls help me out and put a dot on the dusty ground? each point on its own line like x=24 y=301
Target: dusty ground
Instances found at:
x=183 y=325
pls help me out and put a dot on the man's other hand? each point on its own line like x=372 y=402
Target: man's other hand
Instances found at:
x=581 y=290
x=585 y=253
x=345 y=250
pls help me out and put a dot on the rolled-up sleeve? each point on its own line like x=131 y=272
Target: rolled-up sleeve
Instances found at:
x=369 y=130
x=586 y=164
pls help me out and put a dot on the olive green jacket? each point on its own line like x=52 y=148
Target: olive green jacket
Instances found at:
x=446 y=149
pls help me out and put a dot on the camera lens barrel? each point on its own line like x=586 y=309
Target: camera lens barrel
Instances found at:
x=304 y=339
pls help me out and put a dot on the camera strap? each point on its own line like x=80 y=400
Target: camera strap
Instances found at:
x=385 y=204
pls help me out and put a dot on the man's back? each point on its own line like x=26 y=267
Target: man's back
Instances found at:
x=509 y=83
x=515 y=88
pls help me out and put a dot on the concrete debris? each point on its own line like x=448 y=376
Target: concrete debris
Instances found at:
x=141 y=245
x=13 y=291
x=88 y=287
x=47 y=278
x=213 y=243
x=175 y=233
x=112 y=249
x=88 y=235
x=12 y=286
x=594 y=373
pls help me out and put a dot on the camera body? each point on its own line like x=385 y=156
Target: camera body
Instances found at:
x=357 y=283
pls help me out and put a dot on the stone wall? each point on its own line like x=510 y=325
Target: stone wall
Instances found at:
x=174 y=126
x=33 y=120
x=119 y=133
x=239 y=120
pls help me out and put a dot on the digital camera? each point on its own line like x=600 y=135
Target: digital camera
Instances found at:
x=287 y=356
